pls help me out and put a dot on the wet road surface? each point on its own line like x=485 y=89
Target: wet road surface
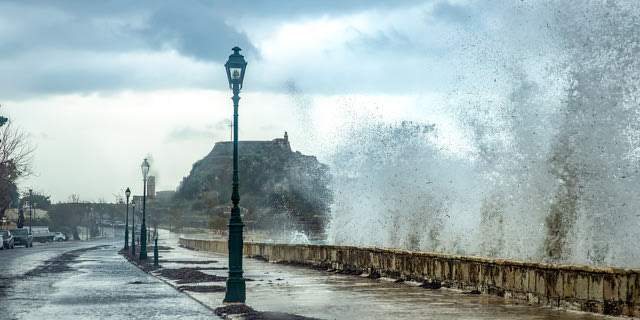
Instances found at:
x=86 y=280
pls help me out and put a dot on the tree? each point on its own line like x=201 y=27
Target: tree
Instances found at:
x=218 y=223
x=15 y=161
x=68 y=215
x=175 y=218
x=41 y=200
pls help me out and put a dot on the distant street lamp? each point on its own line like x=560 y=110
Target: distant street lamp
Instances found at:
x=30 y=208
x=126 y=221
x=236 y=287
x=143 y=230
x=155 y=250
x=89 y=221
x=101 y=220
x=133 y=228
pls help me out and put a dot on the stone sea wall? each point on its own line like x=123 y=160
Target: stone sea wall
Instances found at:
x=610 y=291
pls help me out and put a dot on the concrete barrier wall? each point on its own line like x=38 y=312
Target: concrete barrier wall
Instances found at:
x=610 y=291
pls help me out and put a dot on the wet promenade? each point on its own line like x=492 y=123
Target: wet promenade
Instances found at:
x=328 y=295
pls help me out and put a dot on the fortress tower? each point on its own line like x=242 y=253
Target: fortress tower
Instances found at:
x=151 y=187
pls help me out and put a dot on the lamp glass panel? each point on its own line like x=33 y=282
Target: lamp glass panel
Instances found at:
x=145 y=167
x=235 y=73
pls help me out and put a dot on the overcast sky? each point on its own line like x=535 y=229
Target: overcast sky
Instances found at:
x=100 y=85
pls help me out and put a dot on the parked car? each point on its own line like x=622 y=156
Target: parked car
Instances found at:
x=7 y=239
x=22 y=236
x=59 y=236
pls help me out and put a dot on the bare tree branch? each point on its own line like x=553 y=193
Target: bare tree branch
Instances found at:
x=16 y=152
x=16 y=156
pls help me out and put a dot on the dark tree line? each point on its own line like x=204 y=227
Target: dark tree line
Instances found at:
x=68 y=216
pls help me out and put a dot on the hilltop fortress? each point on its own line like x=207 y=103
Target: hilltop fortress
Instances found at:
x=277 y=185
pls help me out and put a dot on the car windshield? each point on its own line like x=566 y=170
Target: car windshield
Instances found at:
x=19 y=231
x=5 y=234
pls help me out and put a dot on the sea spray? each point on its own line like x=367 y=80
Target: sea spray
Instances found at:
x=550 y=167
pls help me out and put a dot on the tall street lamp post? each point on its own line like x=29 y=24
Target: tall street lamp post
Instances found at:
x=235 y=293
x=126 y=221
x=30 y=208
x=133 y=228
x=143 y=230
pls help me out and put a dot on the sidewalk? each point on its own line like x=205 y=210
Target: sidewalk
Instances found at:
x=327 y=295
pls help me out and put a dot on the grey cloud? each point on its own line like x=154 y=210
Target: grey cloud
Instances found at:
x=389 y=41
x=39 y=28
x=445 y=10
x=230 y=9
x=288 y=8
x=56 y=81
x=68 y=71
x=220 y=125
x=71 y=46
x=189 y=133
x=195 y=30
x=74 y=46
x=268 y=128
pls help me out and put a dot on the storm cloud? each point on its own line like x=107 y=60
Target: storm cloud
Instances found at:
x=107 y=46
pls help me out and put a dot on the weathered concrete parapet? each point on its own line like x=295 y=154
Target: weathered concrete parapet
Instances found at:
x=610 y=291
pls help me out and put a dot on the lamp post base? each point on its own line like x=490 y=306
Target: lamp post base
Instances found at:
x=235 y=283
x=126 y=238
x=235 y=291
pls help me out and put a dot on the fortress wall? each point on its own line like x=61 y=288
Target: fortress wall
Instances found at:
x=225 y=148
x=604 y=290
